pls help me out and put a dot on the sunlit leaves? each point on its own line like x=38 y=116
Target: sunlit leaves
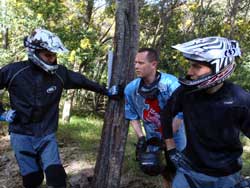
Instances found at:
x=85 y=44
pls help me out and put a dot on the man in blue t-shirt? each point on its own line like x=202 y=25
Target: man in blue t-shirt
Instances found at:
x=145 y=97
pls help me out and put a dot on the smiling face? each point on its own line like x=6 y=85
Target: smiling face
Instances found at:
x=144 y=68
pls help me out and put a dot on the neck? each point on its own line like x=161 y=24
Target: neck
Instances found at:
x=214 y=89
x=150 y=79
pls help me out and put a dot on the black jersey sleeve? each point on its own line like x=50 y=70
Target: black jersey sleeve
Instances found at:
x=75 y=80
x=244 y=116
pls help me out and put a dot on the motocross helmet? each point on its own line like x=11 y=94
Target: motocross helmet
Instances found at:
x=150 y=163
x=218 y=53
x=42 y=39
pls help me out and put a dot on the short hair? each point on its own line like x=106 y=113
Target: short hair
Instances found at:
x=152 y=54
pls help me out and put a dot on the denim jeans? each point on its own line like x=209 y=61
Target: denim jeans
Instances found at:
x=35 y=153
x=203 y=181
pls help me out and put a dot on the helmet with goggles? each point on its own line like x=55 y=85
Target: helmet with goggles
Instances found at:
x=218 y=53
x=42 y=39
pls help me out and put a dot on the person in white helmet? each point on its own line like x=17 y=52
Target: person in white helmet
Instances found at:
x=35 y=87
x=215 y=112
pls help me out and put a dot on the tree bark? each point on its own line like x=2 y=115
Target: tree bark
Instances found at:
x=233 y=11
x=5 y=30
x=67 y=106
x=114 y=134
x=5 y=39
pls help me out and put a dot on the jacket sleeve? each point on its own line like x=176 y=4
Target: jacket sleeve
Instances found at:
x=242 y=115
x=75 y=80
x=245 y=125
x=167 y=114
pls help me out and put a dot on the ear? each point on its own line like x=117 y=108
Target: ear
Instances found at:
x=154 y=63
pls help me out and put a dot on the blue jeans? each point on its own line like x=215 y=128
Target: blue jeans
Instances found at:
x=204 y=181
x=35 y=153
x=179 y=138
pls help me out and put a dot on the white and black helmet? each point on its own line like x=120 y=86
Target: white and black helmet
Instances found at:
x=218 y=53
x=43 y=39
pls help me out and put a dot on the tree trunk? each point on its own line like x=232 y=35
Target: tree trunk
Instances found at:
x=66 y=114
x=234 y=9
x=5 y=30
x=5 y=33
x=114 y=134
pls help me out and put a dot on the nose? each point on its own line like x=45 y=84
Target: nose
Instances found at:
x=52 y=59
x=190 y=71
x=136 y=65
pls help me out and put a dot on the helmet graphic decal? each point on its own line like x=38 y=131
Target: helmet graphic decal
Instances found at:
x=42 y=39
x=218 y=53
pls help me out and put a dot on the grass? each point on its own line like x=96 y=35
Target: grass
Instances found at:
x=86 y=132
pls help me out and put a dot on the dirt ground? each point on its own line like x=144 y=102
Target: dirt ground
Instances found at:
x=77 y=168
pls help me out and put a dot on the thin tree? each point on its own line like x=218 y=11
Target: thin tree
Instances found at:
x=4 y=28
x=114 y=134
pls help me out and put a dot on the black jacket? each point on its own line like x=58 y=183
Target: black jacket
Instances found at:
x=35 y=95
x=213 y=123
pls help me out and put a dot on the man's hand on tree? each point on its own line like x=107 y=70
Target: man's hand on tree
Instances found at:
x=115 y=92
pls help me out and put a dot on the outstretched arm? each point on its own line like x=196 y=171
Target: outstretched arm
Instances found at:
x=75 y=80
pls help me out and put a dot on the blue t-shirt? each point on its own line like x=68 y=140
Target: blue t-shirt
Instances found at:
x=148 y=110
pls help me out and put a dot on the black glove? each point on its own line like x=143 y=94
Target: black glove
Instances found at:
x=141 y=147
x=179 y=159
x=116 y=92
x=170 y=167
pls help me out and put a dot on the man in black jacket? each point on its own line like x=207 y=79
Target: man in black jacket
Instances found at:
x=35 y=87
x=215 y=111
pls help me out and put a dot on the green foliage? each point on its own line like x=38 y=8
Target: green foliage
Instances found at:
x=84 y=131
x=245 y=156
x=66 y=18
x=188 y=21
x=88 y=33
x=242 y=73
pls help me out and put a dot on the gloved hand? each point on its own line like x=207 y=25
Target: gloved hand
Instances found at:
x=170 y=167
x=141 y=147
x=8 y=116
x=115 y=92
x=179 y=159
